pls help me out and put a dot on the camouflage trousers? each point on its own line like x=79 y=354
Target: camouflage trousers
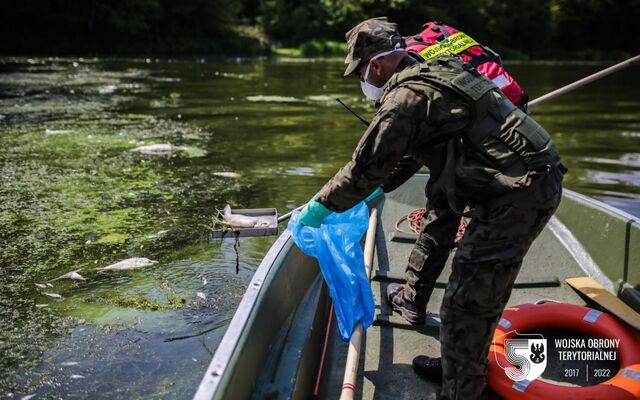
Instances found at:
x=484 y=270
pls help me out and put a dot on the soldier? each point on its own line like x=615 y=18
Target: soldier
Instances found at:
x=487 y=159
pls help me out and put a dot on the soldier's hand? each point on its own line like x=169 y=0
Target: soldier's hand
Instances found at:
x=313 y=214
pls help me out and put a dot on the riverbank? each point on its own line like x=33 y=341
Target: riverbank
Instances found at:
x=318 y=48
x=250 y=41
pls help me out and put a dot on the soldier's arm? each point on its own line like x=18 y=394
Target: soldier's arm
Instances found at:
x=402 y=171
x=381 y=148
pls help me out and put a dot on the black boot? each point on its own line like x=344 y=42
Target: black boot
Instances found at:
x=429 y=368
x=411 y=311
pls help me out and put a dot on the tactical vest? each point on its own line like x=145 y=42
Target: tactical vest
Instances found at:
x=500 y=150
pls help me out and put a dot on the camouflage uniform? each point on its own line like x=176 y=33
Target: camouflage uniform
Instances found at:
x=485 y=267
x=425 y=122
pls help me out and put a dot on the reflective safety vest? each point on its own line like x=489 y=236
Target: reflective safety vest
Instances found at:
x=437 y=39
x=501 y=150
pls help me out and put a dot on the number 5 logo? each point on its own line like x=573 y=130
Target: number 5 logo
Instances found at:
x=528 y=357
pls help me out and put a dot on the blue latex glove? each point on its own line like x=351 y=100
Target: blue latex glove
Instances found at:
x=313 y=214
x=375 y=194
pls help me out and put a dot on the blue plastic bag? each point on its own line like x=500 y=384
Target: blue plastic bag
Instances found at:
x=336 y=245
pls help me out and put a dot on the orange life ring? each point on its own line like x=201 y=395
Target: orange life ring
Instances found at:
x=625 y=385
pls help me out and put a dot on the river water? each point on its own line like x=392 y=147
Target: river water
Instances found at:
x=73 y=196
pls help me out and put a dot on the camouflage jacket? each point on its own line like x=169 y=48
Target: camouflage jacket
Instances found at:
x=403 y=136
x=446 y=115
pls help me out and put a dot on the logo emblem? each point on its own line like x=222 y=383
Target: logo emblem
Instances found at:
x=528 y=356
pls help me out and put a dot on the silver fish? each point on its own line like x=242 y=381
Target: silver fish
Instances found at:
x=28 y=397
x=41 y=285
x=69 y=363
x=157 y=149
x=42 y=305
x=73 y=275
x=157 y=235
x=243 y=221
x=56 y=131
x=76 y=376
x=233 y=175
x=129 y=263
x=53 y=295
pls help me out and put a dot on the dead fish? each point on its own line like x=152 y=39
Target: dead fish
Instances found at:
x=56 y=131
x=227 y=174
x=108 y=89
x=69 y=363
x=129 y=263
x=53 y=295
x=201 y=295
x=42 y=305
x=73 y=275
x=43 y=285
x=28 y=397
x=157 y=235
x=157 y=149
x=274 y=99
x=76 y=376
x=242 y=221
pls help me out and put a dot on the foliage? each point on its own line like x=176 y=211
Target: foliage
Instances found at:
x=533 y=28
x=542 y=28
x=120 y=26
x=316 y=48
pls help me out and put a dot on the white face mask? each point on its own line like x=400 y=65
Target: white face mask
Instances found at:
x=373 y=92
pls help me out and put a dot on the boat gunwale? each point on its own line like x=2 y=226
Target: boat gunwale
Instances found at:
x=601 y=204
x=584 y=198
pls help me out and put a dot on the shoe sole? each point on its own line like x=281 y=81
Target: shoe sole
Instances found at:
x=410 y=316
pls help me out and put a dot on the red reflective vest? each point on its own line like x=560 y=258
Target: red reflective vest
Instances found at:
x=436 y=39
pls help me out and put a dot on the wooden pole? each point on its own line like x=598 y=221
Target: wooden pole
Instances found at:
x=353 y=356
x=584 y=81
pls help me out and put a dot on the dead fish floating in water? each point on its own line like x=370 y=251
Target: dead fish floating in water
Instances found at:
x=129 y=263
x=73 y=275
x=53 y=295
x=76 y=376
x=233 y=175
x=157 y=149
x=157 y=235
x=243 y=221
x=43 y=285
x=69 y=363
x=57 y=131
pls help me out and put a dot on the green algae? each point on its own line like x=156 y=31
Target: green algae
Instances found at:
x=138 y=302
